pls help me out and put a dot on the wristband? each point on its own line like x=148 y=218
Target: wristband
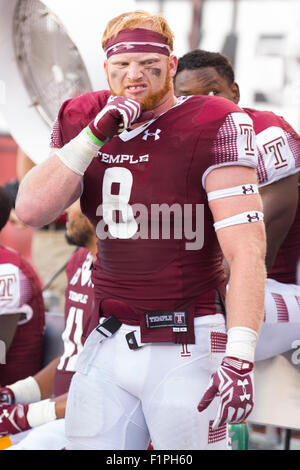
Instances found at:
x=26 y=391
x=41 y=413
x=80 y=151
x=241 y=342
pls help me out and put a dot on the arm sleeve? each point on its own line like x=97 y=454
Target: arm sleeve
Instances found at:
x=233 y=144
x=279 y=152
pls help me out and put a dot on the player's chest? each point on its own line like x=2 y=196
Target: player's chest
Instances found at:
x=146 y=165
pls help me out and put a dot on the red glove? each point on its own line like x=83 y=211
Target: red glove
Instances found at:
x=13 y=419
x=233 y=381
x=7 y=396
x=118 y=114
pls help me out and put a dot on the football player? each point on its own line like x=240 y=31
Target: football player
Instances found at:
x=202 y=72
x=143 y=162
x=22 y=310
x=39 y=402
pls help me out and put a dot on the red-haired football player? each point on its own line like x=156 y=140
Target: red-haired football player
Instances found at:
x=144 y=164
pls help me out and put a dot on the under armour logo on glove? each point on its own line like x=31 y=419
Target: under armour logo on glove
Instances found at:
x=233 y=381
x=7 y=396
x=13 y=419
x=118 y=114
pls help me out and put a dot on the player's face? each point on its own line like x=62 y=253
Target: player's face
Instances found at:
x=145 y=77
x=78 y=228
x=205 y=81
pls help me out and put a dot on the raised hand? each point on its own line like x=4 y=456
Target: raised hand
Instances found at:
x=118 y=114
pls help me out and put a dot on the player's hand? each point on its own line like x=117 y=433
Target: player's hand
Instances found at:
x=118 y=114
x=6 y=396
x=13 y=419
x=233 y=382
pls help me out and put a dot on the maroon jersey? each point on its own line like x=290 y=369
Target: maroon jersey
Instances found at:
x=278 y=146
x=79 y=303
x=278 y=157
x=161 y=279
x=20 y=292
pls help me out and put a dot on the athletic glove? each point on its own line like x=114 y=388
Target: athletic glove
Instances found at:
x=13 y=419
x=118 y=114
x=233 y=382
x=7 y=396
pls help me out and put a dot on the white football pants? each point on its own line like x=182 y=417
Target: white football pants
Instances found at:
x=119 y=397
x=49 y=436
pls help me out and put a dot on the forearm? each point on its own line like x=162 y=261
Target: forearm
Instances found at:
x=36 y=388
x=245 y=295
x=45 y=378
x=46 y=191
x=60 y=405
x=280 y=202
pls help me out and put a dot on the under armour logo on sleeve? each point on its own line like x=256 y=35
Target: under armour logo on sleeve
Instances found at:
x=249 y=189
x=253 y=218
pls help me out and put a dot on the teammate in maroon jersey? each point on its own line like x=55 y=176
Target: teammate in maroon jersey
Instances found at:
x=202 y=72
x=22 y=311
x=145 y=164
x=39 y=402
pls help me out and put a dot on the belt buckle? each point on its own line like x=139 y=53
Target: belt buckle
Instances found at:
x=109 y=326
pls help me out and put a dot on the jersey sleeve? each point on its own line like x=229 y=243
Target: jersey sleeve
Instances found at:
x=15 y=292
x=234 y=143
x=74 y=115
x=279 y=152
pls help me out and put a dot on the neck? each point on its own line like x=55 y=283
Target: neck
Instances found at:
x=168 y=102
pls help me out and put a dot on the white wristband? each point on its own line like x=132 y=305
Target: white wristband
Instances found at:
x=79 y=152
x=41 y=413
x=26 y=391
x=241 y=343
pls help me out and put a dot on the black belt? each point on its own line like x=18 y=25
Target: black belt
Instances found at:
x=111 y=325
